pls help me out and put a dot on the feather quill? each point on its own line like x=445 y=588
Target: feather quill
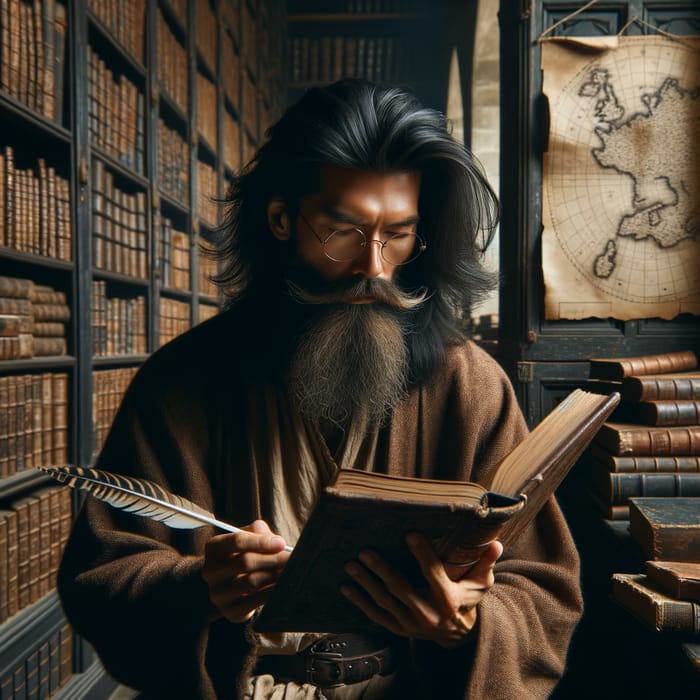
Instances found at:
x=140 y=497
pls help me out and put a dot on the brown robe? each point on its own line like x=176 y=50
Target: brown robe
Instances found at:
x=199 y=419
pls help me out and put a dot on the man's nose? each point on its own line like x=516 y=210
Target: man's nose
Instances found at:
x=371 y=264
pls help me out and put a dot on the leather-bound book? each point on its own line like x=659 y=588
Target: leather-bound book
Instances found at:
x=617 y=368
x=363 y=509
x=678 y=579
x=633 y=439
x=667 y=529
x=652 y=608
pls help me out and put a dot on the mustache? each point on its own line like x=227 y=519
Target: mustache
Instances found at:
x=343 y=290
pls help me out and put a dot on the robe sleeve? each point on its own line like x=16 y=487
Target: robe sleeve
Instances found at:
x=130 y=586
x=526 y=620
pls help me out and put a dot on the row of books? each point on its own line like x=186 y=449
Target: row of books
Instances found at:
x=651 y=445
x=125 y=21
x=208 y=269
x=205 y=24
x=119 y=230
x=109 y=386
x=43 y=672
x=231 y=142
x=207 y=110
x=33 y=421
x=329 y=58
x=208 y=207
x=206 y=311
x=118 y=324
x=32 y=54
x=36 y=211
x=173 y=164
x=172 y=64
x=33 y=533
x=116 y=114
x=33 y=319
x=230 y=77
x=174 y=319
x=174 y=255
x=250 y=105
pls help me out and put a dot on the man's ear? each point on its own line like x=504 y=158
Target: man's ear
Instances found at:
x=278 y=219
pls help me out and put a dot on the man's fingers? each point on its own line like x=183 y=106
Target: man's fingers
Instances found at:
x=232 y=543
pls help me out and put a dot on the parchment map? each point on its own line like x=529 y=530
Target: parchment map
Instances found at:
x=621 y=178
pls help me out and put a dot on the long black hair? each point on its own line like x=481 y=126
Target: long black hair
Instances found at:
x=357 y=124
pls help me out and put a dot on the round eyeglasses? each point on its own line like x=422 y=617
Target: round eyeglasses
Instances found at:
x=349 y=244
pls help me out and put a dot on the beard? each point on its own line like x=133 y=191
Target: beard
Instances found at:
x=350 y=361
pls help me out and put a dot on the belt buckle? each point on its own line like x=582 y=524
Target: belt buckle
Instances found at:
x=332 y=662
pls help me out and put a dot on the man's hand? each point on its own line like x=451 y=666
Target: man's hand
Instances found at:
x=444 y=611
x=241 y=568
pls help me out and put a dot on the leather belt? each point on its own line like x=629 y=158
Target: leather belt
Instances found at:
x=333 y=660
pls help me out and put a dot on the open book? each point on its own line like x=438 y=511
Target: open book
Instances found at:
x=365 y=510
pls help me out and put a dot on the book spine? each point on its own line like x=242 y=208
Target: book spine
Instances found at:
x=680 y=440
x=662 y=363
x=624 y=486
x=670 y=412
x=657 y=388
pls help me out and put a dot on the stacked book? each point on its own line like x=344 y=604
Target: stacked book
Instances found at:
x=666 y=597
x=651 y=444
x=33 y=319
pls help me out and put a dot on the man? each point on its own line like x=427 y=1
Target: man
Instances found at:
x=351 y=245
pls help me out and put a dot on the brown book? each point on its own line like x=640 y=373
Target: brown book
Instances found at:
x=5 y=517
x=45 y=347
x=15 y=306
x=617 y=487
x=361 y=509
x=678 y=579
x=655 y=610
x=59 y=42
x=16 y=287
x=640 y=440
x=47 y=429
x=666 y=529
x=49 y=329
x=23 y=508
x=655 y=387
x=618 y=368
x=668 y=412
x=650 y=463
x=9 y=589
x=51 y=312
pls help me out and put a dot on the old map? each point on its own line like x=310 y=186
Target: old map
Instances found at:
x=621 y=177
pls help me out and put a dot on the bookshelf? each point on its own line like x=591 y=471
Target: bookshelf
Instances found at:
x=121 y=125
x=387 y=41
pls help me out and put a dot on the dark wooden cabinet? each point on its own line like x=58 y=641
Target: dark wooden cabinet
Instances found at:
x=545 y=359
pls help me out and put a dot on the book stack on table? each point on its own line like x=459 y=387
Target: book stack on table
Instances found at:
x=651 y=444
x=645 y=469
x=666 y=597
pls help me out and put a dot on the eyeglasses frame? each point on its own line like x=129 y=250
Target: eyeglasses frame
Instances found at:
x=422 y=246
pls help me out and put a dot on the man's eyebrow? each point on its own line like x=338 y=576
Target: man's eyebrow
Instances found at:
x=344 y=218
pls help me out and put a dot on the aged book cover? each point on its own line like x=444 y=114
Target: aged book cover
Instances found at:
x=655 y=610
x=643 y=440
x=667 y=529
x=364 y=509
x=678 y=579
x=616 y=487
x=617 y=368
x=649 y=463
x=665 y=412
